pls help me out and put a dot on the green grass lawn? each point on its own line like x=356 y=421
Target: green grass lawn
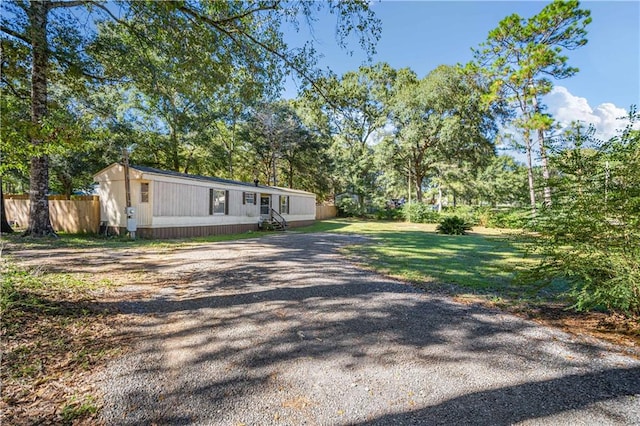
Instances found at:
x=483 y=262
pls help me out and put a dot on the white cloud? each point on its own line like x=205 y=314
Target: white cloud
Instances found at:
x=566 y=107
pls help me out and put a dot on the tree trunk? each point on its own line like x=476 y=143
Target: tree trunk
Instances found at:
x=290 y=174
x=39 y=222
x=273 y=166
x=5 y=227
x=532 y=191
x=230 y=160
x=231 y=146
x=418 y=192
x=67 y=185
x=175 y=156
x=543 y=159
x=418 y=182
x=545 y=168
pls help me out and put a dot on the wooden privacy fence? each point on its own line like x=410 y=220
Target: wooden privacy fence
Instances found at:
x=80 y=215
x=326 y=212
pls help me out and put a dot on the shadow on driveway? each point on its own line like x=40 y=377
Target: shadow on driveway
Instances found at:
x=281 y=331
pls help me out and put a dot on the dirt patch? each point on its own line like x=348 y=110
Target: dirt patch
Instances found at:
x=613 y=328
x=60 y=326
x=51 y=347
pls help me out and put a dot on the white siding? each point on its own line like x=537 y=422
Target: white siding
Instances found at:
x=113 y=197
x=302 y=206
x=143 y=210
x=112 y=203
x=174 y=199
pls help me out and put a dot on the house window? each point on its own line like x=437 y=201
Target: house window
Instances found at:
x=144 y=192
x=284 y=204
x=248 y=198
x=218 y=201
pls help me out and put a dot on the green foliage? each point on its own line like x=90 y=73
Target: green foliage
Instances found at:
x=78 y=408
x=354 y=110
x=502 y=181
x=348 y=207
x=389 y=213
x=520 y=58
x=283 y=150
x=470 y=214
x=453 y=225
x=506 y=218
x=591 y=235
x=439 y=121
x=420 y=213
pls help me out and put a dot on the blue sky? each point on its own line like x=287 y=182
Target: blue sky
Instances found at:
x=424 y=34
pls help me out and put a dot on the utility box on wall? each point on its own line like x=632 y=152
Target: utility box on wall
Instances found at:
x=132 y=224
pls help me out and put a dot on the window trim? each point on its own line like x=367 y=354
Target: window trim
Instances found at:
x=214 y=196
x=147 y=192
x=245 y=195
x=284 y=201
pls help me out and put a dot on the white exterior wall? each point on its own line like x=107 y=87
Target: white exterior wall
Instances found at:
x=112 y=203
x=301 y=207
x=185 y=202
x=176 y=201
x=113 y=199
x=143 y=210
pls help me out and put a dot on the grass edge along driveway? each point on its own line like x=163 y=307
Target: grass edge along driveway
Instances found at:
x=483 y=263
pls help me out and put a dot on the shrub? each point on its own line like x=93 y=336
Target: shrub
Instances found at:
x=420 y=213
x=468 y=213
x=453 y=225
x=389 y=214
x=348 y=207
x=590 y=236
x=511 y=219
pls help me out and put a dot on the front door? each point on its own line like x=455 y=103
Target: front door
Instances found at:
x=265 y=206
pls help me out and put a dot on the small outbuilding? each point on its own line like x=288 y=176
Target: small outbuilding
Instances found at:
x=166 y=204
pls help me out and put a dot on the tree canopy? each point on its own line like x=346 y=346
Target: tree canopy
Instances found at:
x=176 y=55
x=521 y=57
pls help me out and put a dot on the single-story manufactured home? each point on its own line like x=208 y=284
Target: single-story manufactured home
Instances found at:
x=166 y=204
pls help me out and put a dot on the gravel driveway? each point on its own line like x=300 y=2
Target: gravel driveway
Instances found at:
x=281 y=330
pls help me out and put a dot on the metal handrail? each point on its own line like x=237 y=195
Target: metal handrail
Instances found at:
x=282 y=222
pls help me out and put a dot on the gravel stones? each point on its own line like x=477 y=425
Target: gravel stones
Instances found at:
x=280 y=330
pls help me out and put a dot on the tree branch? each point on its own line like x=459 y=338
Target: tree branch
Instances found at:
x=280 y=55
x=24 y=96
x=248 y=12
x=15 y=34
x=70 y=3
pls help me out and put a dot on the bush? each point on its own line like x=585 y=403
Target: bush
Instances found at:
x=389 y=214
x=348 y=207
x=590 y=236
x=420 y=213
x=511 y=219
x=471 y=215
x=453 y=225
